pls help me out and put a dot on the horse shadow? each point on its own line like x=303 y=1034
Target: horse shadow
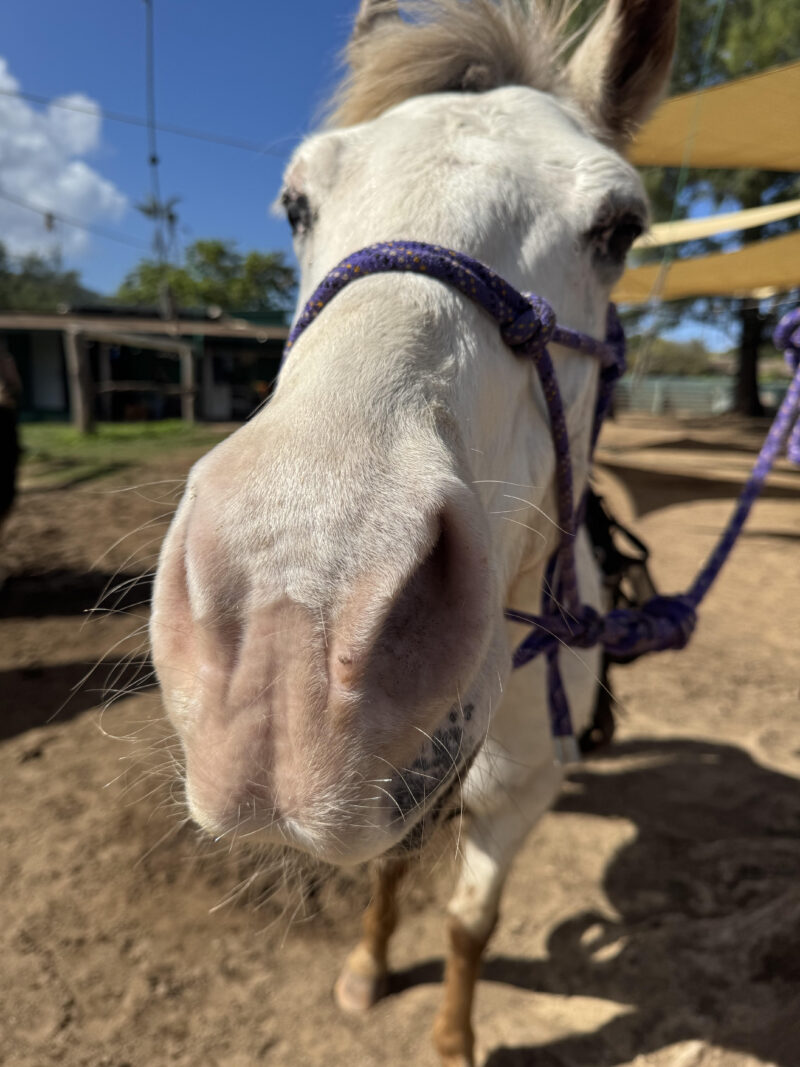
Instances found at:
x=706 y=946
x=72 y=592
x=652 y=490
x=39 y=696
x=688 y=443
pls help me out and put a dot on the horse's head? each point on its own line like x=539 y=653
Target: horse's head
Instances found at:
x=328 y=619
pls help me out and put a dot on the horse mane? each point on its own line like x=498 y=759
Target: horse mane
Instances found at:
x=450 y=45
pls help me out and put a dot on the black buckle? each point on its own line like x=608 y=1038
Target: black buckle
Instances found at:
x=625 y=574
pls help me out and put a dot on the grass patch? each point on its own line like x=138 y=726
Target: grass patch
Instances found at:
x=56 y=456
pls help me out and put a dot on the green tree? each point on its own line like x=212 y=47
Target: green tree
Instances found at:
x=216 y=273
x=753 y=36
x=39 y=283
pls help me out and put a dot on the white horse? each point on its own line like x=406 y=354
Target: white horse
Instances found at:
x=328 y=622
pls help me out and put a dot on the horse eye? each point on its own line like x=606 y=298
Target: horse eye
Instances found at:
x=622 y=236
x=612 y=238
x=298 y=212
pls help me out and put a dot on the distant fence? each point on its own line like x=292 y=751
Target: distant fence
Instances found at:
x=673 y=395
x=663 y=395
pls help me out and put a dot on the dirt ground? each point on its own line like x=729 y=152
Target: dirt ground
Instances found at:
x=652 y=919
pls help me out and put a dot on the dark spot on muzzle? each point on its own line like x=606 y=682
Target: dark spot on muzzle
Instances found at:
x=433 y=780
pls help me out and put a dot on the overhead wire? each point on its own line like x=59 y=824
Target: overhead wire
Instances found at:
x=269 y=148
x=47 y=213
x=152 y=125
x=132 y=120
x=242 y=144
x=157 y=209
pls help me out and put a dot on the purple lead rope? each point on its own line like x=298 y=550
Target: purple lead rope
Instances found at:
x=527 y=325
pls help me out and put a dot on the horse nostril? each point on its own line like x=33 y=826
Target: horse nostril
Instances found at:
x=430 y=635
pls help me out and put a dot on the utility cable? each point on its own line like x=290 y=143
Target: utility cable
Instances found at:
x=47 y=214
x=268 y=149
x=157 y=205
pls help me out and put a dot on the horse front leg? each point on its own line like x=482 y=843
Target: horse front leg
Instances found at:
x=490 y=843
x=363 y=978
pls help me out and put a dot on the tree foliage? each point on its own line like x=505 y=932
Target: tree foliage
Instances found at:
x=39 y=283
x=754 y=35
x=214 y=273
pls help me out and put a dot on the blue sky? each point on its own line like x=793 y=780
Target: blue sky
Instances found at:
x=256 y=70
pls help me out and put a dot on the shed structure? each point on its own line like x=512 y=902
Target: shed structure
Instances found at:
x=121 y=364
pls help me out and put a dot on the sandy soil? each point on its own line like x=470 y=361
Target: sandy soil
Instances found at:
x=652 y=919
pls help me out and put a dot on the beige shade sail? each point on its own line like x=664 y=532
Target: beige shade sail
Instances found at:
x=759 y=269
x=750 y=122
x=669 y=233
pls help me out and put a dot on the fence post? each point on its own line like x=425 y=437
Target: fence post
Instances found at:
x=80 y=381
x=104 y=378
x=187 y=383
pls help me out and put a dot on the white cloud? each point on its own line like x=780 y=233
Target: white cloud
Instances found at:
x=40 y=164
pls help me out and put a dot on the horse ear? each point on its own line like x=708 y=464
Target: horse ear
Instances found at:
x=621 y=68
x=370 y=14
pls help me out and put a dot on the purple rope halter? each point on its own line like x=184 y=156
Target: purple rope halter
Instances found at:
x=527 y=325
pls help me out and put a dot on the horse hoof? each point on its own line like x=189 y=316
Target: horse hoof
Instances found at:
x=357 y=993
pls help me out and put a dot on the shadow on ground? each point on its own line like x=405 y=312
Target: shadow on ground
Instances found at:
x=651 y=490
x=42 y=696
x=780 y=535
x=697 y=444
x=68 y=592
x=708 y=943
x=52 y=476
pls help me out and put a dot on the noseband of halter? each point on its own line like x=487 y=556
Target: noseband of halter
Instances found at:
x=528 y=325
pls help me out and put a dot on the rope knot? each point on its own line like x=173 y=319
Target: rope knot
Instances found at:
x=532 y=330
x=786 y=338
x=661 y=623
x=674 y=619
x=589 y=630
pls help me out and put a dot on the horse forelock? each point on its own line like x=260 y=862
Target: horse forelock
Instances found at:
x=447 y=45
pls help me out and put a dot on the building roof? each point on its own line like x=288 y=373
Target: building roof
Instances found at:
x=100 y=320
